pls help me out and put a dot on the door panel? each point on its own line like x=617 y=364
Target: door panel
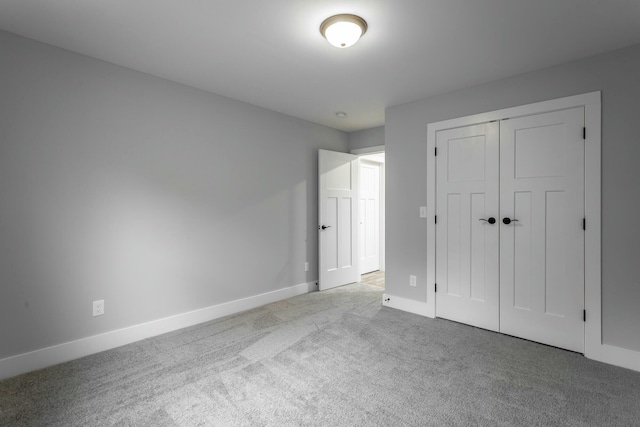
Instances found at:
x=330 y=235
x=542 y=253
x=338 y=193
x=467 y=247
x=346 y=233
x=477 y=248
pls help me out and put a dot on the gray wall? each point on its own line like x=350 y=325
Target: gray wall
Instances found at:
x=366 y=138
x=616 y=75
x=154 y=196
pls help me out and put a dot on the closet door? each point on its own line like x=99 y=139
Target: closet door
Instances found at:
x=541 y=228
x=466 y=237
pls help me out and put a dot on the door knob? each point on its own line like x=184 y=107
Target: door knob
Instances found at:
x=506 y=220
x=491 y=220
x=324 y=227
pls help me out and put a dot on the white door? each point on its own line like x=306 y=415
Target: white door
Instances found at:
x=467 y=229
x=369 y=224
x=338 y=214
x=524 y=274
x=542 y=253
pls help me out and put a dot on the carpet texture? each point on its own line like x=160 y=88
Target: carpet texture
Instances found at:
x=333 y=358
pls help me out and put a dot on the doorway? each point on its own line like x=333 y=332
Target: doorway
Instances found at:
x=371 y=196
x=351 y=227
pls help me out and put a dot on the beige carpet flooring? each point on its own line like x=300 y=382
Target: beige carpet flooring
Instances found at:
x=375 y=278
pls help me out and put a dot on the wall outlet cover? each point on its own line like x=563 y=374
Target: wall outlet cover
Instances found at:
x=98 y=308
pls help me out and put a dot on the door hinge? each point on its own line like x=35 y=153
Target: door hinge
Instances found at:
x=435 y=219
x=435 y=151
x=436 y=287
x=584 y=315
x=584 y=133
x=584 y=223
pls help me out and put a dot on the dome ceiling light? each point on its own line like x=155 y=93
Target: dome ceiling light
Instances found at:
x=343 y=30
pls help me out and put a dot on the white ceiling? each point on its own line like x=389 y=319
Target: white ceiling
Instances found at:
x=271 y=54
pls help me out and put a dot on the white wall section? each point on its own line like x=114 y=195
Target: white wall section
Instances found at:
x=359 y=140
x=158 y=198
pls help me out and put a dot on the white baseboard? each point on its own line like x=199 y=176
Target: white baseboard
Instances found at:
x=405 y=304
x=619 y=356
x=49 y=356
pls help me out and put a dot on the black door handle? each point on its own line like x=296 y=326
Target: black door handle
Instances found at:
x=324 y=227
x=506 y=220
x=491 y=220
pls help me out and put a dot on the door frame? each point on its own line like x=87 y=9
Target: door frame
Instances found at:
x=592 y=186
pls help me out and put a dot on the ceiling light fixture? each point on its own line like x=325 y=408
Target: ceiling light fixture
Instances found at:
x=341 y=114
x=343 y=30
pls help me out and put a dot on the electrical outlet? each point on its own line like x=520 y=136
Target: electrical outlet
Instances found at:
x=413 y=281
x=98 y=308
x=306 y=266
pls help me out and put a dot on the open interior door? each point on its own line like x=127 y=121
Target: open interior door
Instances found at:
x=337 y=216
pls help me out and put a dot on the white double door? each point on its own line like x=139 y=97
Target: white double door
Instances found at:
x=509 y=233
